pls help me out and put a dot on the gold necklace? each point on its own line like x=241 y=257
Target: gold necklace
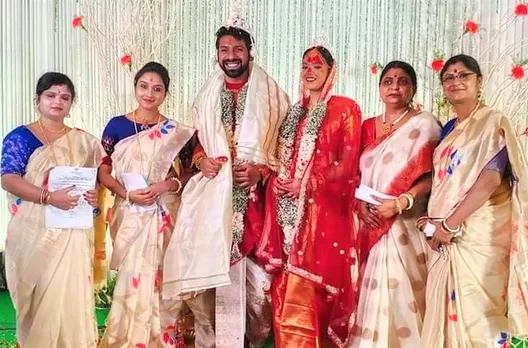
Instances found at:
x=139 y=144
x=388 y=127
x=457 y=121
x=64 y=132
x=144 y=122
x=61 y=131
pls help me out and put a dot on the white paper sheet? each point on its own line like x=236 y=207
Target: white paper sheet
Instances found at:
x=429 y=229
x=80 y=217
x=366 y=193
x=136 y=181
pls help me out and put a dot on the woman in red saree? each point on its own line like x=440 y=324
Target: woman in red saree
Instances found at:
x=397 y=160
x=308 y=236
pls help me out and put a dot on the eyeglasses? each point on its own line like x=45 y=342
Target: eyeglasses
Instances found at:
x=462 y=77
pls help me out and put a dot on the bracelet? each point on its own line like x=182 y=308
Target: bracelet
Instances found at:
x=127 y=198
x=410 y=198
x=47 y=197
x=178 y=181
x=42 y=193
x=450 y=230
x=398 y=205
x=44 y=196
x=198 y=161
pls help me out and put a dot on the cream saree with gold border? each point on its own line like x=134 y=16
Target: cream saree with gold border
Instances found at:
x=477 y=291
x=49 y=271
x=138 y=317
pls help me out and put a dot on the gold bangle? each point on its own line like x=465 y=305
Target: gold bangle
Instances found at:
x=47 y=197
x=127 y=197
x=198 y=161
x=42 y=194
x=398 y=205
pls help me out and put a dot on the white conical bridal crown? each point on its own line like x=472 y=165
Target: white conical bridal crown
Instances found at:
x=323 y=41
x=236 y=20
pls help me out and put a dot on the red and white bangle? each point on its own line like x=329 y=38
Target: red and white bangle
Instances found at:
x=410 y=198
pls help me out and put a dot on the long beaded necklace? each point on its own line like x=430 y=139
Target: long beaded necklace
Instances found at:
x=64 y=132
x=139 y=144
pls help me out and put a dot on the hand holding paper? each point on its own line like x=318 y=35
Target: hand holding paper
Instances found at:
x=136 y=184
x=71 y=182
x=366 y=194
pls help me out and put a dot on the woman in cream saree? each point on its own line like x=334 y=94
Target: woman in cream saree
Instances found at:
x=142 y=218
x=49 y=270
x=476 y=291
x=395 y=162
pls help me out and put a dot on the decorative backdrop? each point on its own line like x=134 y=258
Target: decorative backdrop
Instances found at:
x=101 y=43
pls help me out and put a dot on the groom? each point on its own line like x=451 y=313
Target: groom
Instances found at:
x=237 y=114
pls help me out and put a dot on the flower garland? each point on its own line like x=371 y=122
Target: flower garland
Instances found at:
x=291 y=211
x=231 y=121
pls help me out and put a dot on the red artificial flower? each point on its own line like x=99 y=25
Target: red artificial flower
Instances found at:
x=437 y=64
x=526 y=134
x=471 y=27
x=78 y=22
x=517 y=72
x=521 y=10
x=374 y=68
x=126 y=59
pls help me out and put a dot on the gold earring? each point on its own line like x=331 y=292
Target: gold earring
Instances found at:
x=446 y=101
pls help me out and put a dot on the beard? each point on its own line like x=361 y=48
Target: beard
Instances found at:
x=237 y=72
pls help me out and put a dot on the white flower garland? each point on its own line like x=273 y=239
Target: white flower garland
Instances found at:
x=240 y=196
x=291 y=211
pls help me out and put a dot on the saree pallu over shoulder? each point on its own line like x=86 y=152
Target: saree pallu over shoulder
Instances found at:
x=49 y=271
x=203 y=233
x=459 y=160
x=462 y=155
x=313 y=296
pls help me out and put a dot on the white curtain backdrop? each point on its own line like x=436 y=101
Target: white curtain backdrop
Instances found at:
x=37 y=36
